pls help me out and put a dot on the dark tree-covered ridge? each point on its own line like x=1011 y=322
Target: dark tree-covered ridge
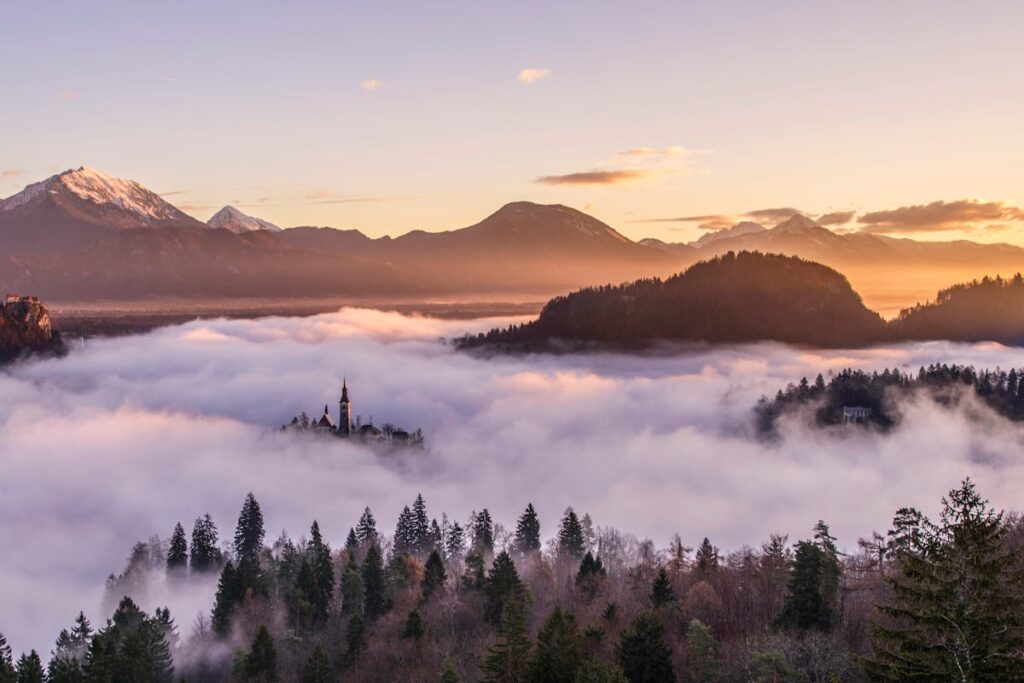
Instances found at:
x=750 y=297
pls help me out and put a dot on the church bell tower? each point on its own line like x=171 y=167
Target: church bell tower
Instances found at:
x=345 y=411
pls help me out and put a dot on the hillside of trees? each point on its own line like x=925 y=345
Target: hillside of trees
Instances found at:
x=750 y=297
x=991 y=309
x=731 y=298
x=931 y=600
x=884 y=392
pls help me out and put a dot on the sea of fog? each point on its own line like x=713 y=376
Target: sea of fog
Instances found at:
x=126 y=436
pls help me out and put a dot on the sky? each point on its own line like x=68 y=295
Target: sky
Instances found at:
x=126 y=436
x=392 y=116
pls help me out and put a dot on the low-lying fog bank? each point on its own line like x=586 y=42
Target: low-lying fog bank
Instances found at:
x=126 y=436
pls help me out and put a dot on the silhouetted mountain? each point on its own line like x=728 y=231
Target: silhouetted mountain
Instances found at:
x=991 y=309
x=731 y=298
x=25 y=327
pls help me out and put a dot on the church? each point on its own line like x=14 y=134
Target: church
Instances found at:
x=346 y=428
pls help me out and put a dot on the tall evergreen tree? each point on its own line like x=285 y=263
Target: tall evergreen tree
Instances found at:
x=351 y=588
x=351 y=543
x=249 y=531
x=420 y=527
x=366 y=529
x=590 y=576
x=503 y=584
x=204 y=556
x=323 y=572
x=806 y=605
x=703 y=664
x=643 y=654
x=455 y=542
x=414 y=626
x=8 y=674
x=475 y=576
x=177 y=552
x=260 y=664
x=506 y=660
x=375 y=591
x=956 y=610
x=30 y=668
x=571 y=543
x=229 y=594
x=661 y=590
x=597 y=671
x=558 y=656
x=527 y=539
x=706 y=557
x=132 y=648
x=317 y=668
x=482 y=534
x=355 y=639
x=434 y=575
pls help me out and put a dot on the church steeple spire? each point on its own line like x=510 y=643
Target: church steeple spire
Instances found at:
x=345 y=411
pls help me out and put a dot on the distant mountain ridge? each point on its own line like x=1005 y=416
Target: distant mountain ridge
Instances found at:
x=82 y=234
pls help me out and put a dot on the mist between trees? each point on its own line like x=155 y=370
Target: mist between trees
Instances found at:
x=440 y=600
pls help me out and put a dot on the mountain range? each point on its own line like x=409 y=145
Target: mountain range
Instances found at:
x=83 y=235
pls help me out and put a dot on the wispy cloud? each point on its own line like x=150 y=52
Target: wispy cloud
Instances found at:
x=173 y=193
x=617 y=177
x=719 y=221
x=836 y=218
x=11 y=173
x=533 y=75
x=962 y=214
x=371 y=84
x=633 y=165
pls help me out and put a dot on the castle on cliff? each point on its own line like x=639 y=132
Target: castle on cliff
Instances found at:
x=347 y=428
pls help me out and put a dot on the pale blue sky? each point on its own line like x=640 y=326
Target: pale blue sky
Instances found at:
x=821 y=106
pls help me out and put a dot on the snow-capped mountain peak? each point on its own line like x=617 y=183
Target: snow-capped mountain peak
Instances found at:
x=744 y=228
x=100 y=189
x=795 y=223
x=230 y=218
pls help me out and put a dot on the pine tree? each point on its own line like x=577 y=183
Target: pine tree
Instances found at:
x=317 y=668
x=249 y=531
x=351 y=543
x=366 y=529
x=597 y=671
x=455 y=542
x=375 y=594
x=404 y=540
x=177 y=552
x=506 y=660
x=806 y=605
x=420 y=527
x=434 y=575
x=448 y=674
x=414 y=626
x=204 y=556
x=30 y=668
x=474 y=576
x=8 y=674
x=306 y=597
x=706 y=558
x=323 y=572
x=590 y=576
x=527 y=539
x=661 y=590
x=355 y=639
x=503 y=584
x=833 y=568
x=559 y=652
x=435 y=540
x=702 y=662
x=351 y=588
x=956 y=610
x=643 y=654
x=571 y=543
x=483 y=534
x=132 y=648
x=229 y=594
x=260 y=665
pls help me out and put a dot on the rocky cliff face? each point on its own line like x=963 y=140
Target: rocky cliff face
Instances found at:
x=25 y=327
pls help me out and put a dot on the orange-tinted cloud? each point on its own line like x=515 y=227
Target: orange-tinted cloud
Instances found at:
x=836 y=218
x=371 y=84
x=11 y=173
x=616 y=177
x=720 y=221
x=531 y=76
x=963 y=214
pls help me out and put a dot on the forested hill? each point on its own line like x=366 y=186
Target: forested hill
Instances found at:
x=25 y=327
x=991 y=309
x=741 y=297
